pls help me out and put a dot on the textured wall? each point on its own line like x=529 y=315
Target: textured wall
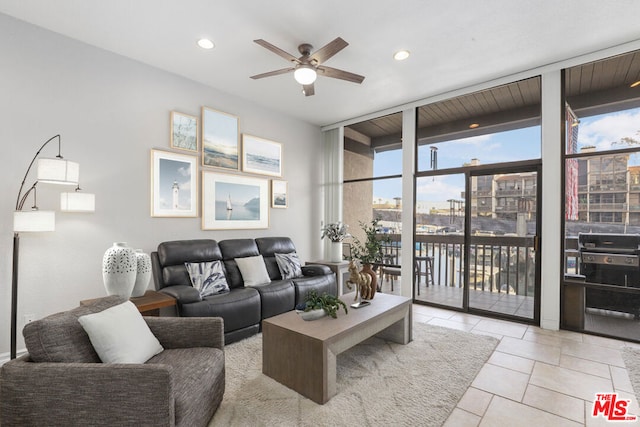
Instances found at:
x=358 y=196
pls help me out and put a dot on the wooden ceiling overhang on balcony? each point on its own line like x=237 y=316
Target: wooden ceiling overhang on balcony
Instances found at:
x=594 y=88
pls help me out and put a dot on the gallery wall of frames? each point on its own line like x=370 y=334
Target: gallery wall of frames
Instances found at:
x=240 y=174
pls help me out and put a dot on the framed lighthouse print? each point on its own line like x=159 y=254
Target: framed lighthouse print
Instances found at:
x=174 y=184
x=234 y=202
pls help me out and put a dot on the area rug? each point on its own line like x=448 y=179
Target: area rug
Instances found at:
x=631 y=359
x=379 y=383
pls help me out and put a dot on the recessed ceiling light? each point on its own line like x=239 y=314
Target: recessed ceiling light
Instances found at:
x=635 y=84
x=474 y=125
x=401 y=55
x=206 y=44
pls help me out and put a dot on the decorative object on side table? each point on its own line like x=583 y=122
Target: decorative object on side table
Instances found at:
x=369 y=252
x=336 y=232
x=119 y=270
x=143 y=273
x=316 y=306
x=49 y=171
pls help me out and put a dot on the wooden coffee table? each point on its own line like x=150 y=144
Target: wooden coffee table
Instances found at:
x=302 y=354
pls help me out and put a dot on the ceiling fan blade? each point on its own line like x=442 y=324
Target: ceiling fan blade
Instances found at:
x=308 y=90
x=273 y=73
x=340 y=74
x=277 y=50
x=327 y=51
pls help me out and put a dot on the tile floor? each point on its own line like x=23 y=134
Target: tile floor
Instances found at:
x=536 y=377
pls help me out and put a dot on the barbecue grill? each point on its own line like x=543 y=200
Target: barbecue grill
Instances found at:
x=611 y=259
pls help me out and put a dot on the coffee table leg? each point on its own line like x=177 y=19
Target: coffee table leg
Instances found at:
x=399 y=332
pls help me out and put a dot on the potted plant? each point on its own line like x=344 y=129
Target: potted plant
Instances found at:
x=369 y=252
x=336 y=232
x=316 y=306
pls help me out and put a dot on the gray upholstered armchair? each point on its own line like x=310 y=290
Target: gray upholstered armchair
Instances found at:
x=67 y=385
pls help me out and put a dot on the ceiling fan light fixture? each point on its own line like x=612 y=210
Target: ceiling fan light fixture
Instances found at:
x=305 y=74
x=206 y=44
x=401 y=55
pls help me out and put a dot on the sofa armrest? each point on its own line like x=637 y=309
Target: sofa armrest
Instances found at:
x=188 y=332
x=316 y=270
x=184 y=294
x=95 y=394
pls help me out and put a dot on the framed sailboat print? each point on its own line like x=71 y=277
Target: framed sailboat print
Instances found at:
x=234 y=202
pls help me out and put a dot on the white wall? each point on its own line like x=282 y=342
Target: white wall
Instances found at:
x=110 y=112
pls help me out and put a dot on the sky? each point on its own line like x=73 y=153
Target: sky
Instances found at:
x=515 y=145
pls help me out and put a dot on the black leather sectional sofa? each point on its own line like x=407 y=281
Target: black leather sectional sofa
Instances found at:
x=243 y=307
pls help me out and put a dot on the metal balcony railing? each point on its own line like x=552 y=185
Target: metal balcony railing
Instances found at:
x=497 y=264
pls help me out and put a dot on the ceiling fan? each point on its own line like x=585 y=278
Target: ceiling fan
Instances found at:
x=306 y=68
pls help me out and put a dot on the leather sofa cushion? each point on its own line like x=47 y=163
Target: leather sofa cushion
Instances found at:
x=178 y=252
x=276 y=297
x=174 y=254
x=322 y=284
x=60 y=337
x=239 y=308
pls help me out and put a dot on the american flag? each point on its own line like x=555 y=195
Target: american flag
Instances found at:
x=571 y=175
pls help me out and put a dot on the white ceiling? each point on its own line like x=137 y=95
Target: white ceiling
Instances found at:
x=453 y=43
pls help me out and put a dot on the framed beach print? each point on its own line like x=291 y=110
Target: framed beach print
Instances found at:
x=220 y=135
x=234 y=202
x=174 y=184
x=279 y=194
x=261 y=156
x=184 y=131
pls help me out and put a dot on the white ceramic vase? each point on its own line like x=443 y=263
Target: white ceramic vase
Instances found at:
x=119 y=270
x=335 y=252
x=143 y=273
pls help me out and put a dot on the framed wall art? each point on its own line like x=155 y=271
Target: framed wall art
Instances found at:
x=184 y=131
x=234 y=202
x=261 y=156
x=174 y=184
x=220 y=136
x=279 y=194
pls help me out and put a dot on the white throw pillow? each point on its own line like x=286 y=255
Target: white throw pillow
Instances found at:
x=253 y=270
x=120 y=335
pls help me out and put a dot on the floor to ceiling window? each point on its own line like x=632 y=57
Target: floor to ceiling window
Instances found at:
x=372 y=190
x=477 y=181
x=601 y=287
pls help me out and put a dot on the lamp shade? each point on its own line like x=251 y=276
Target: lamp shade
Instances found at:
x=25 y=221
x=58 y=171
x=77 y=202
x=305 y=74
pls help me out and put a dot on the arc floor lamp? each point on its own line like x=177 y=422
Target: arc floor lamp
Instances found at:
x=49 y=171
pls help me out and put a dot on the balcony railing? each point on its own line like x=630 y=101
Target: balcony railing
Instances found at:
x=603 y=207
x=497 y=264
x=602 y=188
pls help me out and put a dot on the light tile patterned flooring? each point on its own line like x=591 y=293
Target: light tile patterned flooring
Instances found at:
x=536 y=377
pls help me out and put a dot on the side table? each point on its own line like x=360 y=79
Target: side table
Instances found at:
x=149 y=304
x=340 y=268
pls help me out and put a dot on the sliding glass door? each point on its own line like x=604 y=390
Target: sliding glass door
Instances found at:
x=502 y=272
